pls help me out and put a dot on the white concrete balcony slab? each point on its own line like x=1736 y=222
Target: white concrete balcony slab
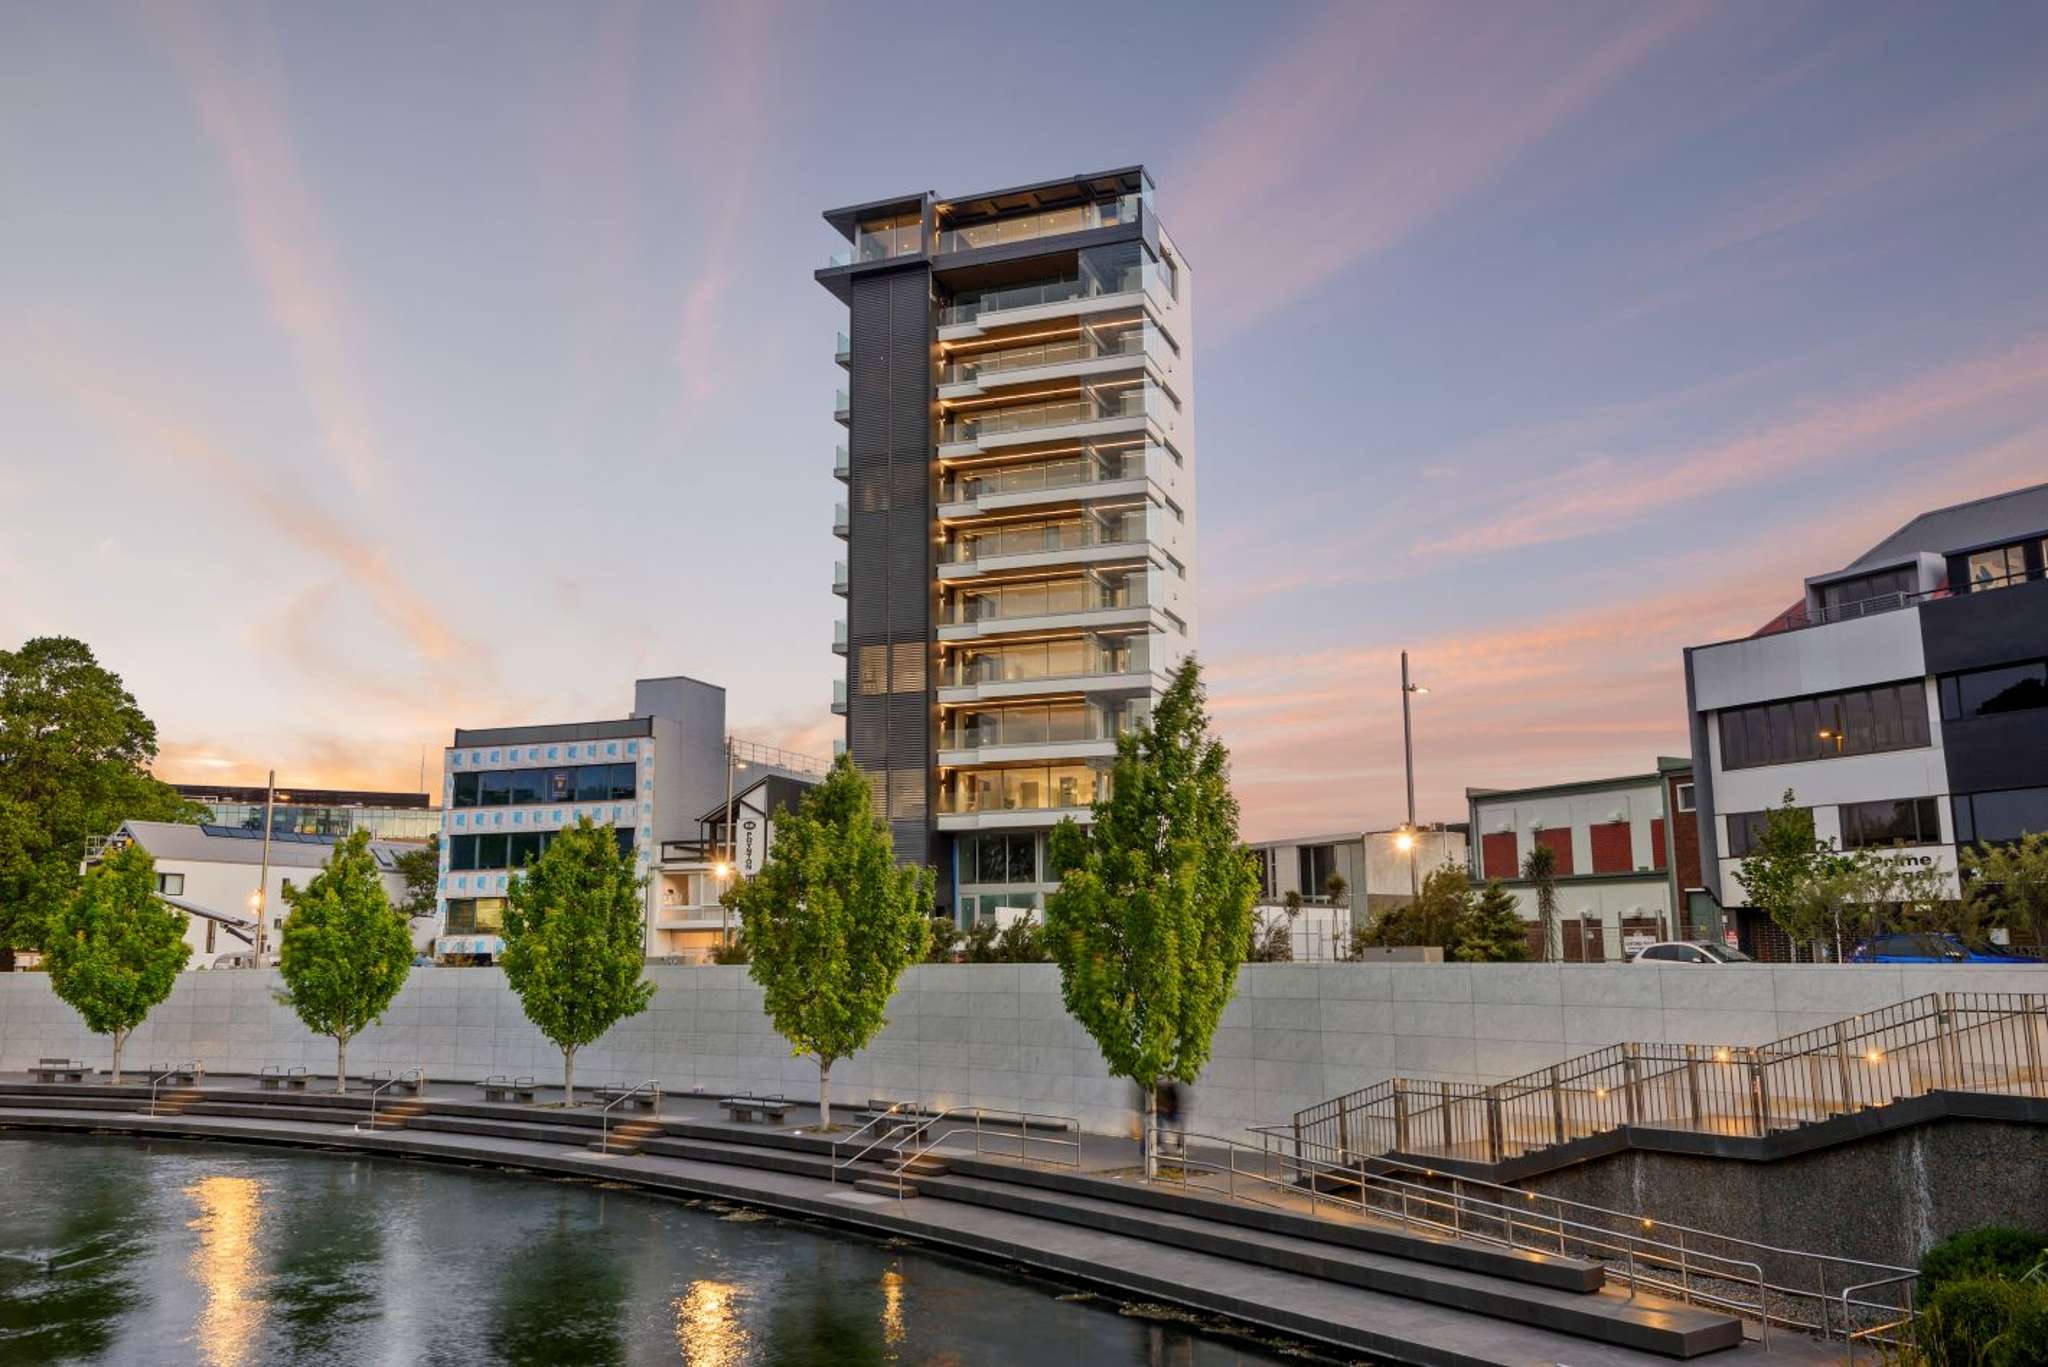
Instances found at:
x=1006 y=818
x=1044 y=752
x=992 y=320
x=1135 y=682
x=1108 y=552
x=1128 y=615
x=1058 y=493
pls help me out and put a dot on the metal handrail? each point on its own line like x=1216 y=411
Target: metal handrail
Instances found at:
x=1876 y=1331
x=1023 y=1136
x=1542 y=1212
x=192 y=1066
x=604 y=1116
x=895 y=1108
x=416 y=1076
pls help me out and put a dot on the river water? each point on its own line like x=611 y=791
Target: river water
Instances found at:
x=169 y=1253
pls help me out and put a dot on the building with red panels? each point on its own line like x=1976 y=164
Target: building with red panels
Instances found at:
x=1612 y=849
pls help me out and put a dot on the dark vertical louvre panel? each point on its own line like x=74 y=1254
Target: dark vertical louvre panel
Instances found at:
x=889 y=558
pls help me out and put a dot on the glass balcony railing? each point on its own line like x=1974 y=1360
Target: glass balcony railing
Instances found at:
x=841 y=405
x=839 y=519
x=1081 y=657
x=839 y=695
x=1091 y=403
x=1011 y=601
x=841 y=466
x=1119 y=268
x=1032 y=788
x=1093 y=466
x=1046 y=223
x=1088 y=344
x=1033 y=538
x=839 y=577
x=839 y=637
x=842 y=350
x=882 y=241
x=1056 y=724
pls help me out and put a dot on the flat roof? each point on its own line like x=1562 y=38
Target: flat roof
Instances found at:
x=622 y=728
x=1588 y=785
x=301 y=797
x=1061 y=190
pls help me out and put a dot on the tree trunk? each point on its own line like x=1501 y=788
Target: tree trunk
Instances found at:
x=341 y=1062
x=569 y=1077
x=1151 y=1140
x=120 y=1038
x=824 y=1093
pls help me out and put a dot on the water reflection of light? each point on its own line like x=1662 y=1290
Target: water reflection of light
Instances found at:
x=892 y=1307
x=708 y=1327
x=225 y=1265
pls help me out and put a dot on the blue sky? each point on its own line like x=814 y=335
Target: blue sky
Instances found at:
x=367 y=370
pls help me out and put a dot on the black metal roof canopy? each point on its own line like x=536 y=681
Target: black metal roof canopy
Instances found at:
x=1046 y=194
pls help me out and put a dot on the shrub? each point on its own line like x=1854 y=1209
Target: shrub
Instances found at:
x=2026 y=1342
x=1965 y=1319
x=1995 y=1251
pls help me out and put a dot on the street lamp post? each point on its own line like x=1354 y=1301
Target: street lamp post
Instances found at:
x=1408 y=758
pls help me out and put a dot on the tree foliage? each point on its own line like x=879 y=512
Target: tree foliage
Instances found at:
x=575 y=941
x=421 y=870
x=831 y=921
x=114 y=950
x=1436 y=917
x=1540 y=868
x=345 y=950
x=1154 y=909
x=2007 y=885
x=1780 y=873
x=1492 y=930
x=74 y=754
x=1022 y=941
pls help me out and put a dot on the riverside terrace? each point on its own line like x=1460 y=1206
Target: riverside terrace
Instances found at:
x=1545 y=1281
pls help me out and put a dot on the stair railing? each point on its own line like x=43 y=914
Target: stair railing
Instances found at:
x=417 y=1077
x=193 y=1067
x=1017 y=1125
x=651 y=1086
x=884 y=1132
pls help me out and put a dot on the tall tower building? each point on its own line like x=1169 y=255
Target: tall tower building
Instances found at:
x=1020 y=519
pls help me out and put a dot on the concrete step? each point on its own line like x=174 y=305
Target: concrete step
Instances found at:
x=928 y=1165
x=885 y=1186
x=1646 y=1324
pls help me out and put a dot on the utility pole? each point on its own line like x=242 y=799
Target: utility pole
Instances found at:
x=731 y=851
x=1408 y=758
x=263 y=878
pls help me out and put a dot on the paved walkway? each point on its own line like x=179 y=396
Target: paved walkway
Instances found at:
x=1342 y=1317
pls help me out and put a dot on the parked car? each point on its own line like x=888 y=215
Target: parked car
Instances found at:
x=1931 y=947
x=1691 y=952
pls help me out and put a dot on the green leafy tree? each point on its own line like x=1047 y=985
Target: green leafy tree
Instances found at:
x=1781 y=872
x=1540 y=868
x=421 y=870
x=1436 y=917
x=1153 y=914
x=74 y=754
x=943 y=940
x=1492 y=931
x=2007 y=885
x=345 y=950
x=115 y=949
x=832 y=921
x=575 y=941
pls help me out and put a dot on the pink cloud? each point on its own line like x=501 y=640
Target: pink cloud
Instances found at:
x=237 y=86
x=1600 y=492
x=1374 y=121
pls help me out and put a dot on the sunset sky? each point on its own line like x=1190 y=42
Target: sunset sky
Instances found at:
x=371 y=369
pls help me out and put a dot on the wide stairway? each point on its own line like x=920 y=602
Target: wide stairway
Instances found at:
x=1986 y=1043
x=1014 y=1187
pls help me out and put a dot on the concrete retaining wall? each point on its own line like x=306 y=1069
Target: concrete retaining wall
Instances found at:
x=998 y=1035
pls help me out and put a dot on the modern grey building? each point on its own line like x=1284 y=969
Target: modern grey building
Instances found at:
x=1020 y=520
x=506 y=791
x=1903 y=699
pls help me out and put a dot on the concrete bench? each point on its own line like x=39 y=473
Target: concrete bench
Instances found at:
x=502 y=1088
x=183 y=1075
x=746 y=1109
x=382 y=1079
x=642 y=1101
x=273 y=1076
x=58 y=1070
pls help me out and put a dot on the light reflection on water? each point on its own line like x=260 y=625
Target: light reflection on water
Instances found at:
x=224 y=1264
x=167 y=1253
